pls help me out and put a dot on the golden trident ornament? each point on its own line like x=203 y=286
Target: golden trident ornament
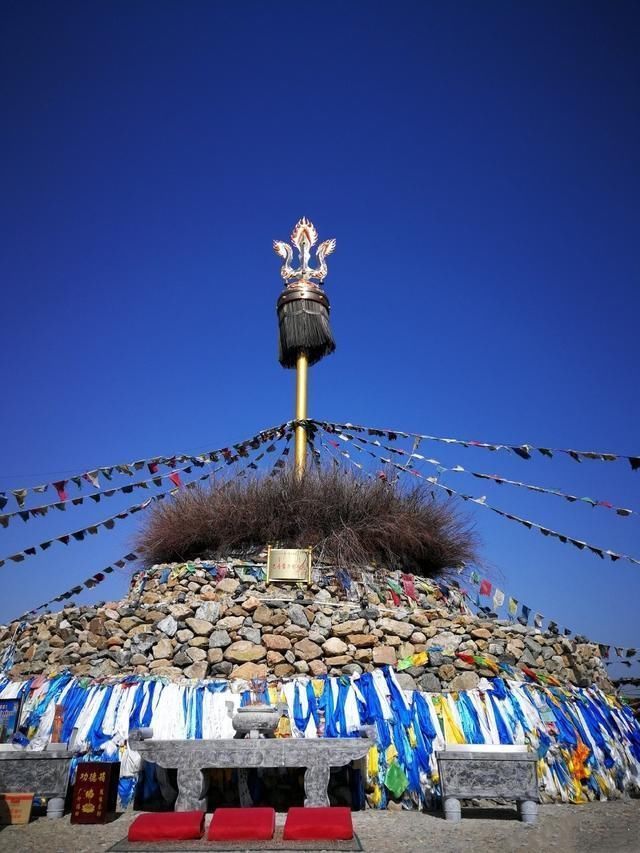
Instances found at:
x=303 y=319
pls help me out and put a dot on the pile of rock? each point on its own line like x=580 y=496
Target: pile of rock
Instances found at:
x=186 y=623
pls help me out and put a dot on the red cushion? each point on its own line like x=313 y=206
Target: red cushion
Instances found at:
x=318 y=824
x=242 y=824
x=167 y=826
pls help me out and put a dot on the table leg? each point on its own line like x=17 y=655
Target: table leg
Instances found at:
x=316 y=782
x=55 y=807
x=452 y=809
x=192 y=790
x=528 y=811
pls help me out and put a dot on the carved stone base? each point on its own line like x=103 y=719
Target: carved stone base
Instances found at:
x=528 y=811
x=452 y=809
x=192 y=790
x=316 y=782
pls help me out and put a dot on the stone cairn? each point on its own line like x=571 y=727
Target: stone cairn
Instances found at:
x=181 y=621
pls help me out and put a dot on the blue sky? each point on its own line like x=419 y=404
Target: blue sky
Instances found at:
x=478 y=165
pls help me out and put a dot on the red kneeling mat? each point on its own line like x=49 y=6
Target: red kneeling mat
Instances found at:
x=251 y=824
x=318 y=824
x=167 y=826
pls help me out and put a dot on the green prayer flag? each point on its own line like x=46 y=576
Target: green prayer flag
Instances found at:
x=396 y=780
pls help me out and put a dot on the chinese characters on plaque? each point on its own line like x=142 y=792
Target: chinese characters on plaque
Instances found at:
x=95 y=791
x=292 y=565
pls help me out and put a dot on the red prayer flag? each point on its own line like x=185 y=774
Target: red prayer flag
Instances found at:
x=409 y=587
x=175 y=479
x=485 y=587
x=59 y=487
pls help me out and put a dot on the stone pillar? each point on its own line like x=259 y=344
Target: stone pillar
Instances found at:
x=55 y=807
x=528 y=811
x=452 y=809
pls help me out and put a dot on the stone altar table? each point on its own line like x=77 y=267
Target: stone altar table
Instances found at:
x=471 y=771
x=191 y=757
x=43 y=772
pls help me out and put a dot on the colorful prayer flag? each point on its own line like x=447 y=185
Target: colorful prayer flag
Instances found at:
x=485 y=587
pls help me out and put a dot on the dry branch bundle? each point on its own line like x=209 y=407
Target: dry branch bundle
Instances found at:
x=351 y=522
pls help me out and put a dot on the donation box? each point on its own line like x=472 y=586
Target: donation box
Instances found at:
x=95 y=791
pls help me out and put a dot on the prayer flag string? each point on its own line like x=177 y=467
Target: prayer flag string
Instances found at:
x=494 y=478
x=153 y=464
x=524 y=451
x=481 y=501
x=88 y=583
x=98 y=577
x=109 y=523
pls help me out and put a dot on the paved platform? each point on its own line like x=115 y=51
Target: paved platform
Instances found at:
x=593 y=828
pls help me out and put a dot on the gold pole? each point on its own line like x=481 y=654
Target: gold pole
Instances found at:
x=301 y=414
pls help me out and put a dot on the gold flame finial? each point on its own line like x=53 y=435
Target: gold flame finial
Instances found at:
x=304 y=237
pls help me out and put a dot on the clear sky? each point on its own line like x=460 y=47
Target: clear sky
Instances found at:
x=478 y=164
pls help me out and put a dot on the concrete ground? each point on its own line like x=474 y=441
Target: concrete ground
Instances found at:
x=593 y=828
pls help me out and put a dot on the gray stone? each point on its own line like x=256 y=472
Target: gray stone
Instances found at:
x=219 y=640
x=209 y=611
x=182 y=659
x=243 y=651
x=447 y=641
x=162 y=649
x=350 y=626
x=184 y=635
x=276 y=642
x=168 y=626
x=200 y=626
x=321 y=622
x=465 y=681
x=406 y=681
x=195 y=654
x=430 y=683
x=393 y=626
x=252 y=634
x=230 y=623
x=197 y=670
x=534 y=648
x=298 y=616
x=323 y=595
x=334 y=646
x=527 y=658
x=307 y=650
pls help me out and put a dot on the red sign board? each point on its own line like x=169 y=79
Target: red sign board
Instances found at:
x=95 y=791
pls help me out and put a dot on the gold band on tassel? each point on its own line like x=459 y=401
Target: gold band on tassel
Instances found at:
x=301 y=414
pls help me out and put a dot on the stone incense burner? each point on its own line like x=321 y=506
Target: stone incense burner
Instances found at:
x=257 y=719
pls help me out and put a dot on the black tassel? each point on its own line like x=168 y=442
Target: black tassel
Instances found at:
x=303 y=320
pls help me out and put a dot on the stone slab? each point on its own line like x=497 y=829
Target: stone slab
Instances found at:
x=191 y=757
